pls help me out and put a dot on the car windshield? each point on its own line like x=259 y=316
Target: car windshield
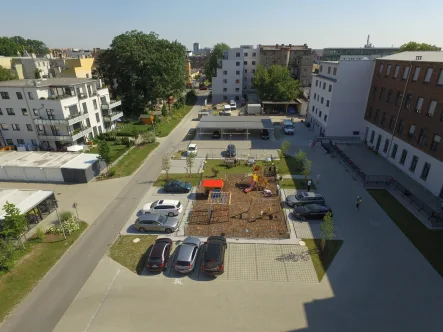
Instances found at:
x=162 y=219
x=155 y=259
x=182 y=263
x=179 y=204
x=191 y=148
x=308 y=208
x=299 y=196
x=153 y=205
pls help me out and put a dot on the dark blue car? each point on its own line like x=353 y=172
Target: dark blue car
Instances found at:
x=176 y=186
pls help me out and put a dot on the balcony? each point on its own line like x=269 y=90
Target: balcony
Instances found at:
x=66 y=122
x=111 y=105
x=102 y=91
x=79 y=133
x=110 y=117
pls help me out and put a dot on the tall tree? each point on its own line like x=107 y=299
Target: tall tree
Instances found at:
x=17 y=45
x=144 y=67
x=104 y=152
x=213 y=60
x=166 y=165
x=275 y=84
x=414 y=46
x=327 y=230
x=7 y=75
x=14 y=222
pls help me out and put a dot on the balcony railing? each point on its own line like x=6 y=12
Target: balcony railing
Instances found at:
x=112 y=116
x=83 y=132
x=67 y=122
x=102 y=91
x=78 y=133
x=111 y=105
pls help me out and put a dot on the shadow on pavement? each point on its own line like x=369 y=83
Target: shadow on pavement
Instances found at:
x=141 y=265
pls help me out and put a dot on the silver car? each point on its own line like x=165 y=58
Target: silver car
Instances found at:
x=155 y=222
x=187 y=254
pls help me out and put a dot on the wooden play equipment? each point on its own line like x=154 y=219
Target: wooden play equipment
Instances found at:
x=8 y=148
x=219 y=204
x=259 y=181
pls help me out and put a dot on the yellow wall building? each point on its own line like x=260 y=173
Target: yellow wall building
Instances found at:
x=80 y=68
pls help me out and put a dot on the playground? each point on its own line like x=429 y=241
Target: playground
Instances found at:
x=239 y=205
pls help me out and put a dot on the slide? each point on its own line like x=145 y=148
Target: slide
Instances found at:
x=250 y=187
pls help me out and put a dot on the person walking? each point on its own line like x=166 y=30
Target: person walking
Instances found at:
x=278 y=190
x=358 y=202
x=318 y=178
x=309 y=185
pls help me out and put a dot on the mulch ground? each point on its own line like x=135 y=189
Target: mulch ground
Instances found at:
x=250 y=215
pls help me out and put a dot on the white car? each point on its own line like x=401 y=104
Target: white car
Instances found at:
x=192 y=149
x=233 y=104
x=227 y=110
x=163 y=207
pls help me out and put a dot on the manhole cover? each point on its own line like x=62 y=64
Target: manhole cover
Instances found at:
x=136 y=240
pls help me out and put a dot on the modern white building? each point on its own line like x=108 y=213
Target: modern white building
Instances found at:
x=51 y=114
x=30 y=65
x=338 y=97
x=235 y=74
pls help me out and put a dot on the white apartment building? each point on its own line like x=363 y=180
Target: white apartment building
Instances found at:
x=30 y=65
x=338 y=97
x=235 y=74
x=51 y=114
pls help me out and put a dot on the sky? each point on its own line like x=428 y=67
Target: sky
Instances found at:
x=320 y=24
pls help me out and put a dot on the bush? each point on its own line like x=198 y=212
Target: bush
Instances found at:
x=40 y=235
x=65 y=215
x=191 y=96
x=164 y=111
x=111 y=172
x=7 y=250
x=70 y=225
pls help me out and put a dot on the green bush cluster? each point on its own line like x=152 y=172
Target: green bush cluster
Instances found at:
x=124 y=141
x=70 y=225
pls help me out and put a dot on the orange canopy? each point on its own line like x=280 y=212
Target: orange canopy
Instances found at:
x=212 y=183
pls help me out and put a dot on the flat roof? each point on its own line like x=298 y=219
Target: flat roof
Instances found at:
x=235 y=122
x=426 y=56
x=361 y=48
x=83 y=161
x=23 y=199
x=43 y=82
x=43 y=159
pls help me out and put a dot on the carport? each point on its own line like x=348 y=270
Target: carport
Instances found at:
x=234 y=125
x=269 y=106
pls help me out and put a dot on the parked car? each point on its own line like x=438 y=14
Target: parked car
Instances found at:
x=214 y=255
x=177 y=186
x=216 y=134
x=288 y=127
x=227 y=110
x=231 y=151
x=156 y=222
x=163 y=207
x=159 y=255
x=311 y=211
x=192 y=149
x=306 y=197
x=264 y=134
x=187 y=255
x=233 y=104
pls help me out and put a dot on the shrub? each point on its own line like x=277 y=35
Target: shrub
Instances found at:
x=111 y=172
x=40 y=235
x=164 y=111
x=65 y=215
x=70 y=225
x=6 y=255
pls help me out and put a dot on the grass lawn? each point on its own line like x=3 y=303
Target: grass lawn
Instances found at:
x=164 y=128
x=129 y=254
x=133 y=127
x=219 y=164
x=322 y=261
x=288 y=165
x=32 y=266
x=194 y=179
x=427 y=241
x=133 y=159
x=115 y=150
x=296 y=184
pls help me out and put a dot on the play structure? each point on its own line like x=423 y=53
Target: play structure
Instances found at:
x=259 y=181
x=212 y=185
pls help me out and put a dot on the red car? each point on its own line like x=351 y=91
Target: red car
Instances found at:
x=158 y=258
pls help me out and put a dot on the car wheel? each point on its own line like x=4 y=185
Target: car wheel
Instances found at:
x=142 y=229
x=171 y=214
x=168 y=230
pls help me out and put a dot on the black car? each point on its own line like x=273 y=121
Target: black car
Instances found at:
x=159 y=255
x=214 y=255
x=231 y=151
x=311 y=211
x=306 y=197
x=176 y=186
x=264 y=134
x=216 y=134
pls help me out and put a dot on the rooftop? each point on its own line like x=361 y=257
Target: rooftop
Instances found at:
x=235 y=122
x=30 y=83
x=46 y=159
x=426 y=56
x=360 y=48
x=23 y=199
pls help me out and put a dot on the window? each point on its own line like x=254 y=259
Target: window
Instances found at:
x=416 y=73
x=312 y=108
x=383 y=118
x=315 y=96
x=319 y=114
x=237 y=89
x=40 y=128
x=404 y=154
x=372 y=137
x=411 y=130
x=237 y=54
x=237 y=81
x=377 y=113
x=322 y=99
x=419 y=104
x=10 y=111
x=391 y=122
x=225 y=72
x=4 y=126
x=100 y=129
x=398 y=99
x=237 y=72
x=246 y=54
x=253 y=63
x=225 y=81
x=330 y=87
x=34 y=142
x=25 y=112
x=388 y=70
x=85 y=107
x=15 y=127
x=35 y=112
x=335 y=71
x=316 y=82
x=237 y=64
x=245 y=63
x=19 y=95
x=327 y=103
x=413 y=165
x=431 y=108
x=253 y=71
x=9 y=141
x=94 y=102
x=4 y=95
x=254 y=54
x=401 y=126
x=428 y=75
x=425 y=171
x=20 y=141
x=97 y=117
x=435 y=142
x=386 y=146
x=321 y=68
x=421 y=137
x=380 y=69
x=329 y=70
x=382 y=92
x=397 y=69
x=408 y=101
x=325 y=118
x=374 y=92
x=394 y=151
x=225 y=89
x=31 y=96
x=389 y=96
x=29 y=127
x=440 y=78
x=1 y=112
x=405 y=73
x=324 y=86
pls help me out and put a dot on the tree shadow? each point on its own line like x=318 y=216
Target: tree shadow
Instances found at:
x=142 y=261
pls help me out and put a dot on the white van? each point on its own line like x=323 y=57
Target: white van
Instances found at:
x=233 y=104
x=227 y=110
x=288 y=127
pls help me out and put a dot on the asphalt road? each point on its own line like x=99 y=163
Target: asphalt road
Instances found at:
x=43 y=308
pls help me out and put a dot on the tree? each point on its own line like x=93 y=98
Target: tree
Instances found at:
x=300 y=157
x=214 y=59
x=7 y=75
x=37 y=73
x=275 y=84
x=306 y=170
x=145 y=68
x=104 y=152
x=15 y=46
x=285 y=147
x=7 y=249
x=166 y=165
x=414 y=46
x=14 y=222
x=164 y=111
x=327 y=230
x=190 y=159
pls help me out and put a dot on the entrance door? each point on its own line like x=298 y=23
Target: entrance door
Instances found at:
x=378 y=143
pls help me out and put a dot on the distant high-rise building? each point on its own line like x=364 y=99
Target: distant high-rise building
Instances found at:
x=196 y=47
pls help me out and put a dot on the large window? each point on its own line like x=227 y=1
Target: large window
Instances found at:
x=416 y=73
x=385 y=148
x=405 y=73
x=413 y=164
x=389 y=96
x=431 y=108
x=398 y=99
x=404 y=154
x=440 y=78
x=394 y=151
x=425 y=171
x=380 y=69
x=4 y=95
x=372 y=137
x=388 y=70
x=435 y=143
x=397 y=68
x=408 y=101
x=419 y=105
x=382 y=92
x=428 y=75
